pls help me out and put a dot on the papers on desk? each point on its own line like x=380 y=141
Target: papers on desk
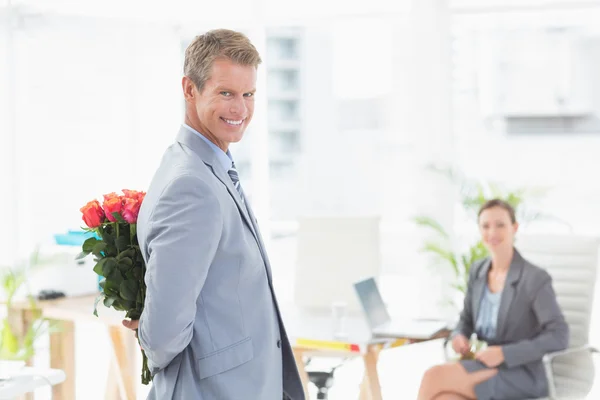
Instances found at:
x=28 y=379
x=410 y=329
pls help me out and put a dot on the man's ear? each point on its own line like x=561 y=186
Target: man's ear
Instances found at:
x=189 y=89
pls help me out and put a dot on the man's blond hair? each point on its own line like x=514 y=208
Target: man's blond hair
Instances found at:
x=219 y=43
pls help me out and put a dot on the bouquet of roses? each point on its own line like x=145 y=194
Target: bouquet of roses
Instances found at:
x=117 y=255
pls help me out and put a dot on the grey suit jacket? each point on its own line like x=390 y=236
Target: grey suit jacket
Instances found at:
x=530 y=321
x=211 y=325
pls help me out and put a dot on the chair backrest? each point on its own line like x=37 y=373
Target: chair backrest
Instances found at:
x=333 y=253
x=572 y=261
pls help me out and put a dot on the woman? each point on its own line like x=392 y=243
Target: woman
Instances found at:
x=510 y=304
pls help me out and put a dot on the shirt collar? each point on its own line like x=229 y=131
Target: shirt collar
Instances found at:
x=224 y=158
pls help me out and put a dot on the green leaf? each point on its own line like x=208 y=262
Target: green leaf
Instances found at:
x=99 y=248
x=462 y=287
x=126 y=262
x=122 y=242
x=129 y=290
x=129 y=275
x=128 y=305
x=111 y=288
x=431 y=223
x=443 y=254
x=81 y=255
x=129 y=253
x=118 y=217
x=99 y=267
x=109 y=266
x=108 y=301
x=134 y=314
x=117 y=305
x=88 y=245
x=115 y=276
x=100 y=297
x=108 y=238
x=137 y=273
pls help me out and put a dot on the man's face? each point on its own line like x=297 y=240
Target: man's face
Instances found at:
x=224 y=108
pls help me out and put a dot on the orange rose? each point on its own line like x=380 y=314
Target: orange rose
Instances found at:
x=112 y=204
x=93 y=215
x=134 y=194
x=110 y=196
x=131 y=209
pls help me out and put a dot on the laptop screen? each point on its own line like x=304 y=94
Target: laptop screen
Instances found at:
x=372 y=303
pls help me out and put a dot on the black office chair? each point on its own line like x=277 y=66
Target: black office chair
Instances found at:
x=323 y=380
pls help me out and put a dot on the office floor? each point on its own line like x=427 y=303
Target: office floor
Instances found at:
x=400 y=369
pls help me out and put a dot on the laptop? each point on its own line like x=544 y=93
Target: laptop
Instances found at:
x=381 y=323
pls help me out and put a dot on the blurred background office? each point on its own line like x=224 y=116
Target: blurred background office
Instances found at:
x=397 y=109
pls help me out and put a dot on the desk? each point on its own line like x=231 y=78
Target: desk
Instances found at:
x=123 y=376
x=28 y=379
x=310 y=333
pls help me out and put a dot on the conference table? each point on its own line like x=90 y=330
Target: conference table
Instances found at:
x=311 y=334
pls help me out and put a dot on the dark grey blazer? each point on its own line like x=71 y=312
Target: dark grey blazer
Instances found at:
x=530 y=321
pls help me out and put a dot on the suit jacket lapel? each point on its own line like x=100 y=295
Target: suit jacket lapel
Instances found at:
x=509 y=291
x=479 y=287
x=261 y=245
x=224 y=177
x=208 y=156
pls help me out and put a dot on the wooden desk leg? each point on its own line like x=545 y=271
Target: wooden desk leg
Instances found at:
x=20 y=321
x=370 y=360
x=112 y=391
x=299 y=357
x=122 y=362
x=364 y=389
x=62 y=356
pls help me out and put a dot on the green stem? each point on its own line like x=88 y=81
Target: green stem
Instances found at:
x=132 y=232
x=146 y=376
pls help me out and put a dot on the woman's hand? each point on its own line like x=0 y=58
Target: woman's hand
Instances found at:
x=490 y=357
x=460 y=344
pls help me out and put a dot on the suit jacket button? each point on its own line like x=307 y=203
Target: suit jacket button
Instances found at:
x=279 y=343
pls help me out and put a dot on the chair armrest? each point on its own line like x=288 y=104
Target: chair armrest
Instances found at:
x=548 y=358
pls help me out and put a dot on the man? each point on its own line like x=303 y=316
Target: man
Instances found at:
x=211 y=327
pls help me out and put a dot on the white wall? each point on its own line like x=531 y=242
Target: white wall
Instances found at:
x=7 y=182
x=96 y=104
x=564 y=163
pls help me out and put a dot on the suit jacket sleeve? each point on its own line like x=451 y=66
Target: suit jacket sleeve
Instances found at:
x=554 y=335
x=466 y=324
x=184 y=230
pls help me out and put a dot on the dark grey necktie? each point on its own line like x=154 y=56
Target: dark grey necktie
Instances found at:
x=235 y=178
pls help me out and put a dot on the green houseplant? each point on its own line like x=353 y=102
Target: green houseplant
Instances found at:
x=15 y=344
x=472 y=195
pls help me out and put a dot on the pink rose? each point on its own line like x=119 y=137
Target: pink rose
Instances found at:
x=131 y=209
x=134 y=194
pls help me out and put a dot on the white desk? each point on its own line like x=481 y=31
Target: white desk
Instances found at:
x=311 y=334
x=28 y=379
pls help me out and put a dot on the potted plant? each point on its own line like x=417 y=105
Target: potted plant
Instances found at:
x=16 y=344
x=472 y=195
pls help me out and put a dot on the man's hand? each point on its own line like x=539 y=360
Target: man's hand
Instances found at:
x=490 y=357
x=131 y=324
x=460 y=344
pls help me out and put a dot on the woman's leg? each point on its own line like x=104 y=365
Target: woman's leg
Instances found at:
x=450 y=396
x=452 y=378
